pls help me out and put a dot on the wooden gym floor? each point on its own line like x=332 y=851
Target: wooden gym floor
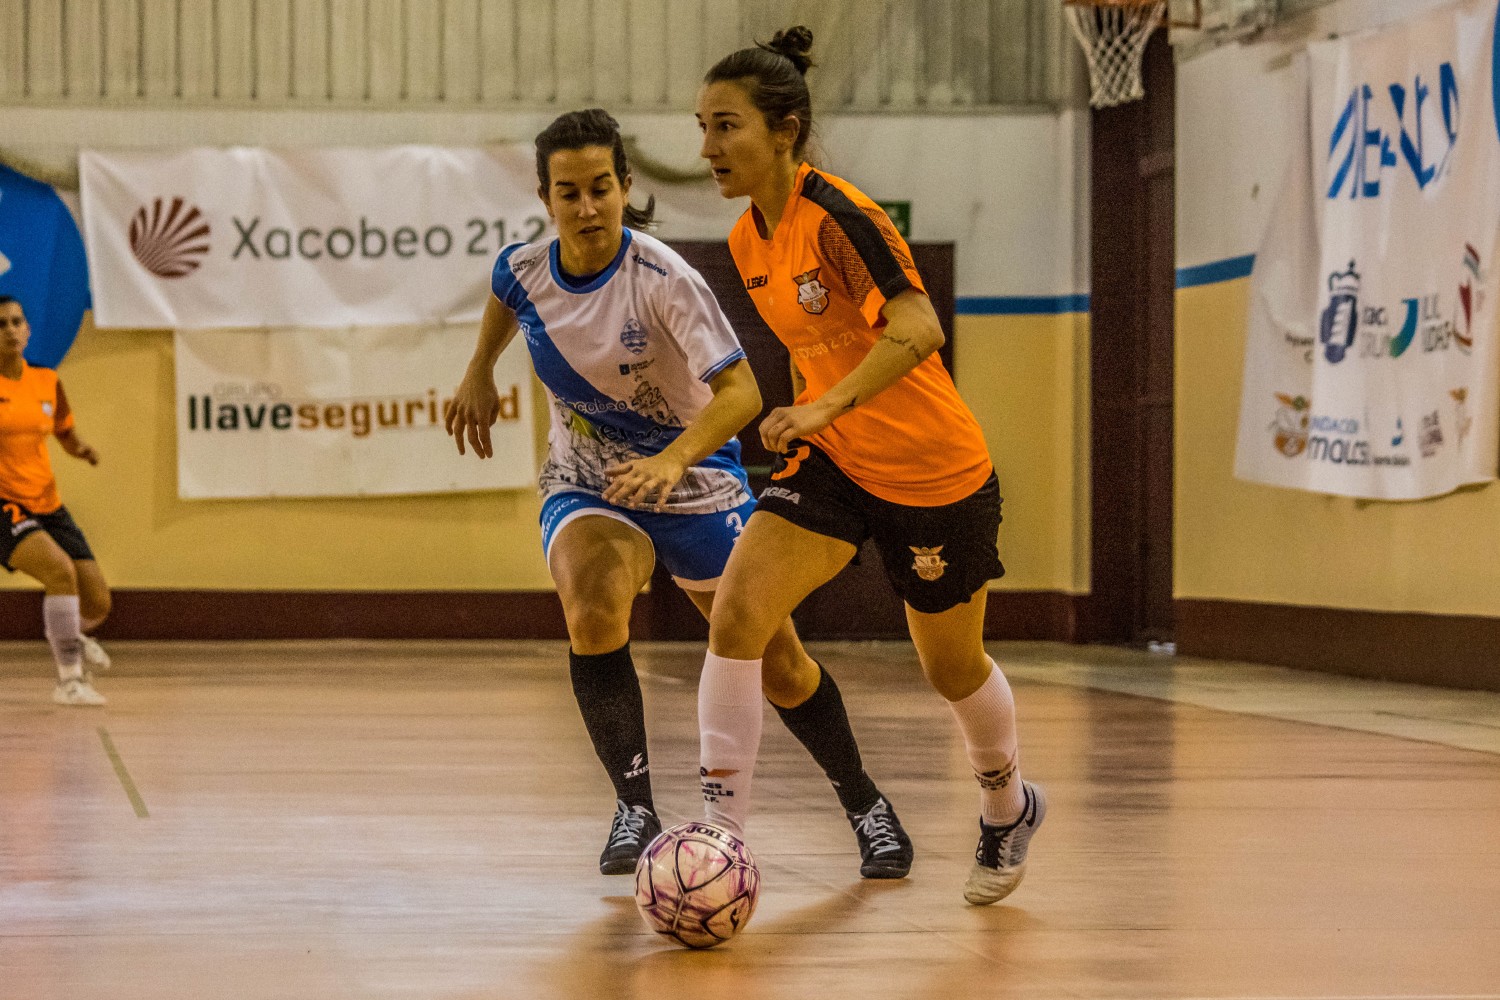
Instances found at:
x=422 y=820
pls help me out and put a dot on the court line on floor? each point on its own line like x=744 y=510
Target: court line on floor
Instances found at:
x=661 y=678
x=1437 y=718
x=136 y=802
x=1335 y=705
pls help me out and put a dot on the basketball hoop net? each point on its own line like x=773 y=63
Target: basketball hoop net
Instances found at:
x=1114 y=34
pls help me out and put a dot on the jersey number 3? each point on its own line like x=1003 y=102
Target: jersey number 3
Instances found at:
x=793 y=462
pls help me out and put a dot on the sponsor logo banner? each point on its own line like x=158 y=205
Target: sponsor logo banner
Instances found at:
x=42 y=265
x=310 y=412
x=317 y=237
x=1371 y=361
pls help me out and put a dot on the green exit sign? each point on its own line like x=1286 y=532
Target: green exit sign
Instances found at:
x=900 y=213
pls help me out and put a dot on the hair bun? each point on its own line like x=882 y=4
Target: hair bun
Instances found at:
x=794 y=43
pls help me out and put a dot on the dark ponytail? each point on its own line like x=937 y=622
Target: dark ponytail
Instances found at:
x=580 y=129
x=796 y=44
x=774 y=74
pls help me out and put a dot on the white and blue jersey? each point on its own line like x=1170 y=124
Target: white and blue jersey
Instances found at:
x=627 y=356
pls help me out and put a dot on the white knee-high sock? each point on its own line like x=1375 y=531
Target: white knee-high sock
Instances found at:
x=987 y=719
x=60 y=623
x=729 y=724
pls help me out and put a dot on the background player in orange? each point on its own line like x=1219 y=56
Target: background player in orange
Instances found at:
x=38 y=536
x=877 y=445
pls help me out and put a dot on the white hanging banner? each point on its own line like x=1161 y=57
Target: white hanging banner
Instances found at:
x=1371 y=364
x=301 y=237
x=339 y=412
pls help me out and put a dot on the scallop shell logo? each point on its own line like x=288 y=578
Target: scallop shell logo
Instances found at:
x=169 y=238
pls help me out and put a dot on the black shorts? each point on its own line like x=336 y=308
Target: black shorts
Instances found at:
x=18 y=522
x=935 y=557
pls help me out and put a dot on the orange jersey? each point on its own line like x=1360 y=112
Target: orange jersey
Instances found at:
x=820 y=283
x=31 y=408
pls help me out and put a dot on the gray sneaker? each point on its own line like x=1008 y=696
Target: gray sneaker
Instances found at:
x=1000 y=860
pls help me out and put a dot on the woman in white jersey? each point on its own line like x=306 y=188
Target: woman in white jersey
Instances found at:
x=649 y=386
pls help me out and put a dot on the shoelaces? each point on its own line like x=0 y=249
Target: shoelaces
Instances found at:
x=995 y=846
x=879 y=829
x=628 y=826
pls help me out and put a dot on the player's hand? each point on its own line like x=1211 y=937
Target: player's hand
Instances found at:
x=786 y=423
x=471 y=413
x=632 y=483
x=76 y=447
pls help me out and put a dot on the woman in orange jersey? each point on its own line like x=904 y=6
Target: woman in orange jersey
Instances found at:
x=39 y=536
x=876 y=445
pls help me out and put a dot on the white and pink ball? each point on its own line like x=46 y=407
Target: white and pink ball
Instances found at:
x=696 y=884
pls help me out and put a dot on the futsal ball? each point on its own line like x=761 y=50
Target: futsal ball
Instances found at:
x=697 y=884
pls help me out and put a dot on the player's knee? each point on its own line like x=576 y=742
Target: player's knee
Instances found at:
x=788 y=681
x=95 y=606
x=955 y=677
x=739 y=628
x=596 y=607
x=57 y=576
x=597 y=610
x=596 y=637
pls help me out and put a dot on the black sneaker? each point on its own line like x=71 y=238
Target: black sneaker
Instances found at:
x=633 y=828
x=885 y=850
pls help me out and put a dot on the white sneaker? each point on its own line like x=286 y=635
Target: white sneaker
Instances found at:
x=1000 y=860
x=94 y=655
x=77 y=692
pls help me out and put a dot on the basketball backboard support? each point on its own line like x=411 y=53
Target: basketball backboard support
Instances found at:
x=1223 y=21
x=1113 y=34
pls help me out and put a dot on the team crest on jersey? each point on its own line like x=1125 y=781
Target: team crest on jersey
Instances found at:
x=633 y=336
x=811 y=295
x=47 y=407
x=928 y=564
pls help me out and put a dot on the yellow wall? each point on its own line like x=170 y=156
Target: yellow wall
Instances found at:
x=120 y=384
x=1243 y=541
x=1025 y=377
x=1017 y=372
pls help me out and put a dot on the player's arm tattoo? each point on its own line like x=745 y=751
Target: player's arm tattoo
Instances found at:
x=905 y=342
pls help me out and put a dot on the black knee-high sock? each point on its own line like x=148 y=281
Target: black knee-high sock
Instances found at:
x=609 y=696
x=821 y=724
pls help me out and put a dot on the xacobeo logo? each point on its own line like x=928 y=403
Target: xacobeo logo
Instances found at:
x=169 y=239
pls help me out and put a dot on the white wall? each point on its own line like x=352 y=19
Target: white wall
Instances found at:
x=1003 y=187
x=1234 y=122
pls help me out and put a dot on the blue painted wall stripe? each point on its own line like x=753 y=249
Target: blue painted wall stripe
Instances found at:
x=1220 y=270
x=1020 y=305
x=1054 y=305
